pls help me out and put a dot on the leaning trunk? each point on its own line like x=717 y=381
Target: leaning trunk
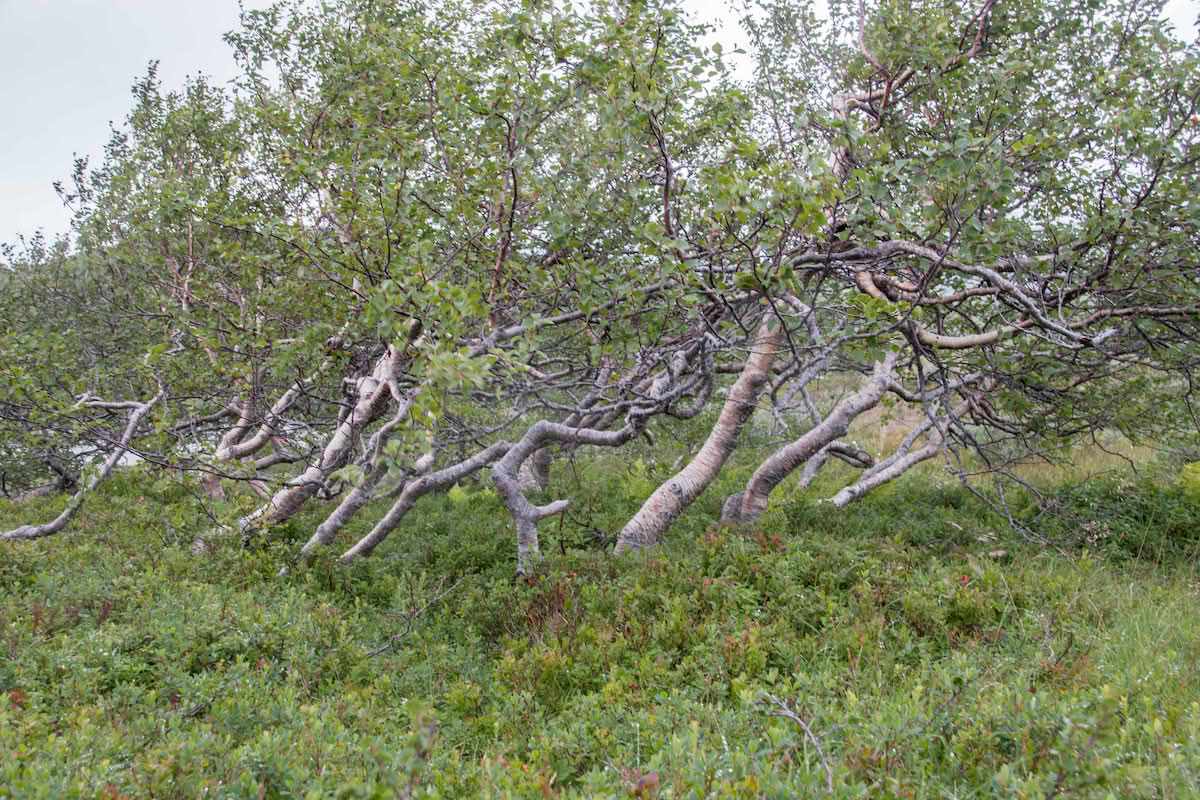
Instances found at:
x=372 y=400
x=749 y=504
x=669 y=500
x=505 y=475
x=413 y=491
x=136 y=415
x=904 y=458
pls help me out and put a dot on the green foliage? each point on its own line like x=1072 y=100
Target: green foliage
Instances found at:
x=929 y=649
x=426 y=175
x=1138 y=518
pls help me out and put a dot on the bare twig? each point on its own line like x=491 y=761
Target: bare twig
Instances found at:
x=413 y=615
x=782 y=709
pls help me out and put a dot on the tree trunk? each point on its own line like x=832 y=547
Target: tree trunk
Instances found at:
x=902 y=460
x=851 y=454
x=505 y=474
x=413 y=491
x=374 y=395
x=377 y=470
x=288 y=500
x=669 y=500
x=136 y=415
x=359 y=496
x=749 y=504
x=534 y=473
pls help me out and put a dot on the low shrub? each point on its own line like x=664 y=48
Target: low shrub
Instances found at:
x=911 y=645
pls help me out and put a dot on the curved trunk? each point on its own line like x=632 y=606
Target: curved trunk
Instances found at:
x=902 y=460
x=749 y=504
x=288 y=500
x=136 y=415
x=377 y=470
x=413 y=491
x=375 y=394
x=534 y=473
x=669 y=500
x=505 y=474
x=851 y=454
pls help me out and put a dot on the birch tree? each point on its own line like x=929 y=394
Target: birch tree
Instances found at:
x=1007 y=232
x=418 y=241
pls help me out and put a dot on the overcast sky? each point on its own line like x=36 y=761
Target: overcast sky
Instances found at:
x=66 y=67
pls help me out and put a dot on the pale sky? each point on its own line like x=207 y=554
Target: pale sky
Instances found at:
x=66 y=67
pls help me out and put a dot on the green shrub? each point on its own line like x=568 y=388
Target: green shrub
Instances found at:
x=929 y=649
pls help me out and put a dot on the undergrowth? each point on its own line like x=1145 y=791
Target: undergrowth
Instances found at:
x=912 y=645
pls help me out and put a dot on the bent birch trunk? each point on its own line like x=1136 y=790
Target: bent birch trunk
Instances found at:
x=377 y=470
x=749 y=504
x=669 y=500
x=413 y=491
x=373 y=398
x=136 y=415
x=505 y=474
x=902 y=460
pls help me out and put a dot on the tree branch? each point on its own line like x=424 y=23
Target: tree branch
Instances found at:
x=137 y=414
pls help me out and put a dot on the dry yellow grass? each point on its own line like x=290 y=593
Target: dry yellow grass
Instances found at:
x=881 y=430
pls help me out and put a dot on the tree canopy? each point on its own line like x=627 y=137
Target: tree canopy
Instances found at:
x=416 y=240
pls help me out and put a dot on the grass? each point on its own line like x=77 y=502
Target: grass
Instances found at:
x=929 y=650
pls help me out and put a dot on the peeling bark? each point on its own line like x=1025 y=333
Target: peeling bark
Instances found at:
x=534 y=473
x=375 y=394
x=669 y=500
x=852 y=455
x=337 y=452
x=371 y=403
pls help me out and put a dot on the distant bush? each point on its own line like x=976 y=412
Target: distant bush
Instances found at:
x=1144 y=518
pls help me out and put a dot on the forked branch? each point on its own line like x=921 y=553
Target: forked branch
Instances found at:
x=138 y=412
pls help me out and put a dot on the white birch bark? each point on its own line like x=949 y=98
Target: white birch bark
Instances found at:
x=240 y=430
x=373 y=398
x=852 y=455
x=374 y=395
x=505 y=474
x=138 y=412
x=901 y=460
x=360 y=496
x=377 y=469
x=534 y=473
x=291 y=498
x=413 y=491
x=668 y=501
x=749 y=504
